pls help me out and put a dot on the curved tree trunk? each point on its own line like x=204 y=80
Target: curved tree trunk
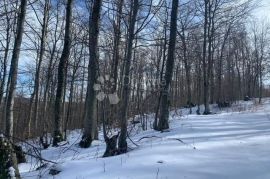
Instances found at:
x=13 y=73
x=122 y=143
x=58 y=136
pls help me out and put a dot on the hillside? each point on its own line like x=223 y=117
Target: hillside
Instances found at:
x=233 y=143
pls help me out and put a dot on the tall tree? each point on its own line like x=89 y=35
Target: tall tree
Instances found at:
x=122 y=143
x=50 y=69
x=6 y=46
x=116 y=41
x=58 y=136
x=90 y=119
x=13 y=73
x=35 y=95
x=205 y=79
x=163 y=122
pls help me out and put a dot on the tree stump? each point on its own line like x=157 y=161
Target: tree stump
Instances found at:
x=85 y=142
x=111 y=146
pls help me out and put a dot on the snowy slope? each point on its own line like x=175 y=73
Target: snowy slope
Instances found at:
x=232 y=144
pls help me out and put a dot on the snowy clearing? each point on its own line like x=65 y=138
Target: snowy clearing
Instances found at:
x=232 y=144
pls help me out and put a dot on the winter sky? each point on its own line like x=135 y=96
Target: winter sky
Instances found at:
x=263 y=11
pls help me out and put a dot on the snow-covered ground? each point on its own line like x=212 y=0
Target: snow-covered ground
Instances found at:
x=232 y=144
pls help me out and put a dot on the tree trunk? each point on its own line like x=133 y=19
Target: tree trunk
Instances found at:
x=122 y=143
x=49 y=76
x=5 y=60
x=164 y=116
x=155 y=124
x=35 y=95
x=13 y=78
x=187 y=69
x=58 y=118
x=117 y=36
x=8 y=159
x=90 y=119
x=13 y=73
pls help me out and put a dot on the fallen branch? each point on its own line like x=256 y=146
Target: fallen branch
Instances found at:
x=39 y=158
x=147 y=137
x=132 y=141
x=182 y=142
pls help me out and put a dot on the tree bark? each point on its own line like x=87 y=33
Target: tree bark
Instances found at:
x=58 y=118
x=90 y=118
x=117 y=36
x=164 y=49
x=163 y=122
x=122 y=143
x=13 y=73
x=5 y=60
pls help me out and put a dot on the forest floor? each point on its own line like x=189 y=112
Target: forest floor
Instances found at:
x=234 y=143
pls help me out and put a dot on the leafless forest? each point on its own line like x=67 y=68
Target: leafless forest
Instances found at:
x=95 y=65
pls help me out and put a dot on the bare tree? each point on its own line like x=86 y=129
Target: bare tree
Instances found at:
x=35 y=95
x=13 y=73
x=8 y=35
x=122 y=143
x=90 y=119
x=163 y=122
x=58 y=118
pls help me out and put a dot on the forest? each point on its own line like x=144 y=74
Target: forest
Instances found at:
x=102 y=66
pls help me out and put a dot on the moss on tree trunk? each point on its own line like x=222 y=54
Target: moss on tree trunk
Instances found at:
x=8 y=160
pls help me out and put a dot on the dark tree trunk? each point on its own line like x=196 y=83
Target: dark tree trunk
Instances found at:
x=122 y=143
x=90 y=119
x=117 y=36
x=8 y=158
x=58 y=136
x=187 y=69
x=164 y=116
x=49 y=76
x=155 y=124
x=205 y=80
